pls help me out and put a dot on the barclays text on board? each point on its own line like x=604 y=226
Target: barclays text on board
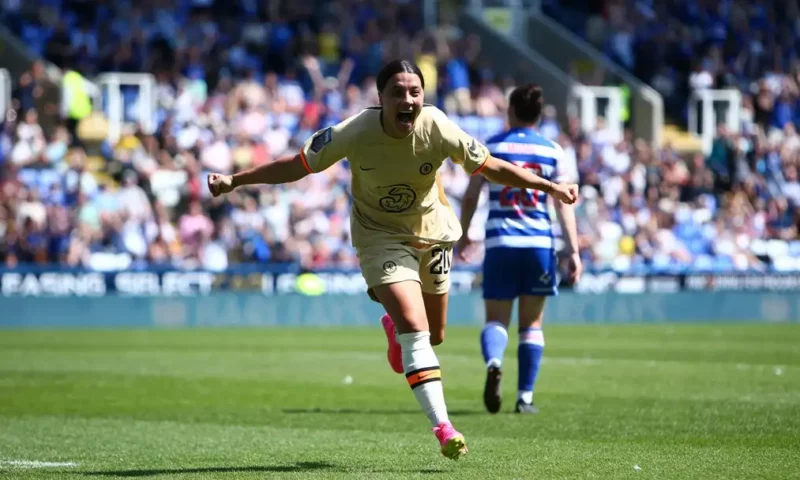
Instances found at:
x=200 y=283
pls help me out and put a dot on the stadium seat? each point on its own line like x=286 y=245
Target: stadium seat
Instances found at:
x=723 y=263
x=703 y=263
x=794 y=248
x=759 y=247
x=785 y=264
x=777 y=248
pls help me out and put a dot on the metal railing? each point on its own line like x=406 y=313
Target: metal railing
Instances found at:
x=590 y=109
x=5 y=93
x=565 y=49
x=704 y=112
x=112 y=103
x=521 y=21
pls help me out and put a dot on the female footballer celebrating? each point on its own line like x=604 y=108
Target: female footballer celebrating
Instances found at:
x=402 y=226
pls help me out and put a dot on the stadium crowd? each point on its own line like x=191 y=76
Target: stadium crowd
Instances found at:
x=679 y=46
x=238 y=85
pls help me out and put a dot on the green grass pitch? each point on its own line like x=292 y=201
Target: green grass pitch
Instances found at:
x=663 y=402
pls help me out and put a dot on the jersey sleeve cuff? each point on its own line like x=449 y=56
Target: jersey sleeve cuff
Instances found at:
x=479 y=169
x=305 y=162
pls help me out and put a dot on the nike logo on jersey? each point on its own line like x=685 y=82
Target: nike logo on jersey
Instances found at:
x=439 y=282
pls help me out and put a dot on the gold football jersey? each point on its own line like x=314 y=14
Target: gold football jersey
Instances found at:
x=397 y=194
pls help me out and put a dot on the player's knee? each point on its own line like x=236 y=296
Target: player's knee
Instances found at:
x=437 y=338
x=531 y=311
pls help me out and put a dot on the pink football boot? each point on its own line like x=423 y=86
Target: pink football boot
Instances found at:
x=453 y=444
x=394 y=354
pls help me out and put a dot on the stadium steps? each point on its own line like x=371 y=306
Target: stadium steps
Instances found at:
x=681 y=140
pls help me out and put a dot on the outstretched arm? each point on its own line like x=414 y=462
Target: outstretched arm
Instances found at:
x=476 y=158
x=284 y=170
x=319 y=152
x=506 y=173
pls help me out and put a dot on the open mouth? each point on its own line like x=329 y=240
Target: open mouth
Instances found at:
x=406 y=118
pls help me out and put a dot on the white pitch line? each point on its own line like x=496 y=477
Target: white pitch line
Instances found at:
x=35 y=464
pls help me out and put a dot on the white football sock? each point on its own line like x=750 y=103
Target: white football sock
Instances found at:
x=423 y=374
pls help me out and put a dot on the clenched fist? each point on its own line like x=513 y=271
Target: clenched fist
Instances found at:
x=219 y=184
x=565 y=193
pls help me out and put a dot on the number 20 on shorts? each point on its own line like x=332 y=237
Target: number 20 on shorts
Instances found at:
x=441 y=262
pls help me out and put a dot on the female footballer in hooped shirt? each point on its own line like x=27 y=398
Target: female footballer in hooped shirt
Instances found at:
x=402 y=226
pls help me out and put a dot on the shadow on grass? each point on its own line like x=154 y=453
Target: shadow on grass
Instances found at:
x=290 y=468
x=355 y=411
x=295 y=467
